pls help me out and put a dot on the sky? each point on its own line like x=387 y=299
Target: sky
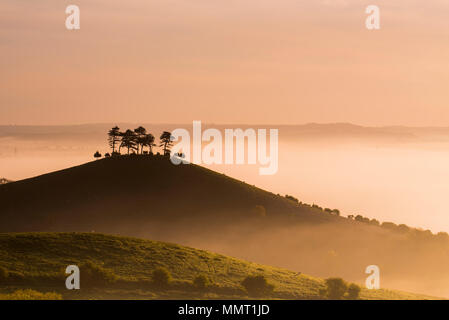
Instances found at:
x=233 y=61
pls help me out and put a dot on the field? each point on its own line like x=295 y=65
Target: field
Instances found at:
x=37 y=261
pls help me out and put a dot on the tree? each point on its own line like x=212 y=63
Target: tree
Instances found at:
x=161 y=278
x=148 y=141
x=335 y=288
x=129 y=140
x=336 y=212
x=97 y=155
x=353 y=291
x=166 y=142
x=257 y=286
x=140 y=137
x=113 y=137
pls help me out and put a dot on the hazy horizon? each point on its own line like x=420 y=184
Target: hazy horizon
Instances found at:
x=159 y=61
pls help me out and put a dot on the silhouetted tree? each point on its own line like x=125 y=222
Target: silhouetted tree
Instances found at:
x=114 y=137
x=166 y=142
x=97 y=155
x=140 y=137
x=148 y=141
x=129 y=140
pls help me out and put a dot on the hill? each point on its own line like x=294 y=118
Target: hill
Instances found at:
x=36 y=261
x=121 y=194
x=149 y=197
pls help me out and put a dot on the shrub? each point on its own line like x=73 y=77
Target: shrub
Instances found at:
x=335 y=289
x=360 y=218
x=292 y=198
x=389 y=225
x=92 y=275
x=336 y=212
x=200 y=282
x=161 y=277
x=353 y=291
x=257 y=286
x=97 y=155
x=403 y=228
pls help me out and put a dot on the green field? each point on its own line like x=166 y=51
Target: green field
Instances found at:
x=37 y=261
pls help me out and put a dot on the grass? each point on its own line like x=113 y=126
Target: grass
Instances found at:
x=38 y=261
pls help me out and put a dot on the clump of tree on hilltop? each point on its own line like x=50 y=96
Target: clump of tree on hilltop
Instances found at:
x=137 y=141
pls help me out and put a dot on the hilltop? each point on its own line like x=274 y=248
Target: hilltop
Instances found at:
x=149 y=197
x=36 y=260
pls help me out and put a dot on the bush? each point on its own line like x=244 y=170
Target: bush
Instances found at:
x=200 y=282
x=92 y=275
x=257 y=286
x=292 y=198
x=97 y=155
x=335 y=289
x=389 y=225
x=161 y=278
x=353 y=291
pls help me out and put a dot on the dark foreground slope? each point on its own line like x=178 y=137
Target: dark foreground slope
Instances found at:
x=151 y=198
x=124 y=194
x=36 y=261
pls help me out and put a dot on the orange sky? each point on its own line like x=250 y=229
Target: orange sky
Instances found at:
x=233 y=61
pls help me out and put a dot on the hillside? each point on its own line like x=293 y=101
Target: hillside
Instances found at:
x=39 y=259
x=149 y=197
x=100 y=194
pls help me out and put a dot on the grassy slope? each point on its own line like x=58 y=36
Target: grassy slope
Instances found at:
x=133 y=260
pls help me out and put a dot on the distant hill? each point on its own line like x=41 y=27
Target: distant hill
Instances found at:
x=39 y=259
x=151 y=198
